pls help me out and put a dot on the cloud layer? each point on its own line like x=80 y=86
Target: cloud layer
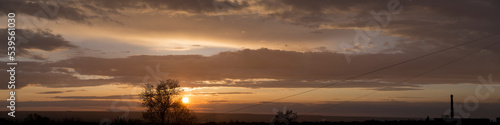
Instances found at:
x=262 y=68
x=419 y=22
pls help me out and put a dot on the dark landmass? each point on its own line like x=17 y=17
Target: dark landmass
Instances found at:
x=95 y=116
x=134 y=118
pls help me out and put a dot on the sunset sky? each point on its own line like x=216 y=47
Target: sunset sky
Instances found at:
x=93 y=55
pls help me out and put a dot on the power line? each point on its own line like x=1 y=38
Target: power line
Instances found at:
x=363 y=74
x=415 y=76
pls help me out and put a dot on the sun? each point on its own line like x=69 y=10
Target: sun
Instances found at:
x=185 y=100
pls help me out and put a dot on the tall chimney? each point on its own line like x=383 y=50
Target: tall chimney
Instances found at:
x=452 y=114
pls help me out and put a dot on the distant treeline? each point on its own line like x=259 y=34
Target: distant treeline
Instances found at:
x=35 y=119
x=369 y=122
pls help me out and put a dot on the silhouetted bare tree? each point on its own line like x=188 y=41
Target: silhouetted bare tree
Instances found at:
x=181 y=114
x=164 y=104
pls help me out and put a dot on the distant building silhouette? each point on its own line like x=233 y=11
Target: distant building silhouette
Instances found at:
x=447 y=119
x=452 y=114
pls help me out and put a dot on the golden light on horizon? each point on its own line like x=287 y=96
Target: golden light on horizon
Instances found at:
x=185 y=100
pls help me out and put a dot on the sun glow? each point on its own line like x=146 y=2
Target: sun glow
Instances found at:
x=185 y=100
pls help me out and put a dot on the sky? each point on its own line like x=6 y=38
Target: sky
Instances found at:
x=390 y=58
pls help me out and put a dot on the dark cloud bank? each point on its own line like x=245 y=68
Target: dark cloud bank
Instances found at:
x=262 y=68
x=37 y=39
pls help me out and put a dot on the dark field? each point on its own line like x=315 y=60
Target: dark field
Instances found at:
x=134 y=118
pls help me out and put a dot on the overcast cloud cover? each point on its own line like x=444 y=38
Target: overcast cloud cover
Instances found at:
x=253 y=44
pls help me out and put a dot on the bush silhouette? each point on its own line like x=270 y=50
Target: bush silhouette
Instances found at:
x=36 y=119
x=284 y=117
